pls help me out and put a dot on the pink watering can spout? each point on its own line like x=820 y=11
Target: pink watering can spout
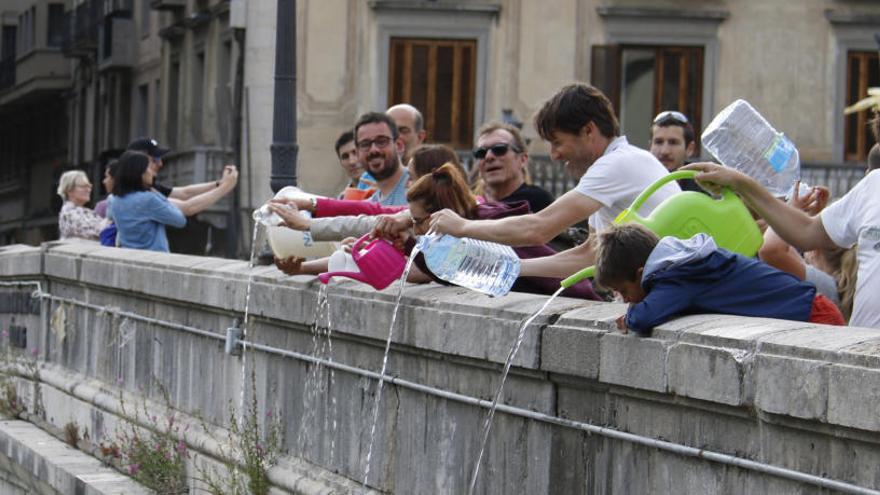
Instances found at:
x=379 y=263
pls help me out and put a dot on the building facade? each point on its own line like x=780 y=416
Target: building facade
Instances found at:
x=198 y=76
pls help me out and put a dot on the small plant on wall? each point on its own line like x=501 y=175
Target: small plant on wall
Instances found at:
x=255 y=450
x=156 y=455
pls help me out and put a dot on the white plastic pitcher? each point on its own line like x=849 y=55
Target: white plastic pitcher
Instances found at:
x=286 y=242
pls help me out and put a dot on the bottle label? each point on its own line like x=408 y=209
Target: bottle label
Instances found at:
x=307 y=239
x=779 y=153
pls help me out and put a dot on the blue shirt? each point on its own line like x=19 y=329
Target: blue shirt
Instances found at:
x=397 y=196
x=694 y=275
x=141 y=217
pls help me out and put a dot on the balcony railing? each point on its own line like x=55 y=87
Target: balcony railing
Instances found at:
x=117 y=8
x=168 y=4
x=7 y=73
x=81 y=28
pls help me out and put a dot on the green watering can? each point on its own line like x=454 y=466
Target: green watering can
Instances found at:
x=688 y=213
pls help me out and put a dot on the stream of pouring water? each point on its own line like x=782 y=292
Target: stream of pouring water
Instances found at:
x=403 y=278
x=244 y=326
x=487 y=426
x=313 y=386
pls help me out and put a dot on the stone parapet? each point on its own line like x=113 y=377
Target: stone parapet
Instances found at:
x=789 y=394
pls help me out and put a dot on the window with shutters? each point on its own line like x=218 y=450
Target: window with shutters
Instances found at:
x=862 y=72
x=437 y=76
x=642 y=81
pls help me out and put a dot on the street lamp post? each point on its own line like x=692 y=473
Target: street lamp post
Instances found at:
x=284 y=148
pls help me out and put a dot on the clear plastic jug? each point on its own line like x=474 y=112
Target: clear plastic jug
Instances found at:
x=739 y=137
x=482 y=266
x=286 y=242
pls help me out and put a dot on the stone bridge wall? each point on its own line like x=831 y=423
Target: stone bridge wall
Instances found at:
x=788 y=394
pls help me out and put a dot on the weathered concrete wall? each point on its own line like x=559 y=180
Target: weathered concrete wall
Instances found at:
x=790 y=394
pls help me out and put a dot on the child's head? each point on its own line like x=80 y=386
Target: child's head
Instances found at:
x=621 y=254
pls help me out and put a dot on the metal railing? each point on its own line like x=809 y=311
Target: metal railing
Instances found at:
x=120 y=8
x=81 y=27
x=550 y=175
x=7 y=73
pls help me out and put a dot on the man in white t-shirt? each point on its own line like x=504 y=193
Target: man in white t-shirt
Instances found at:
x=580 y=124
x=855 y=218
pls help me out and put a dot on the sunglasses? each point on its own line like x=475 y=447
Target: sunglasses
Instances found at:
x=671 y=114
x=499 y=149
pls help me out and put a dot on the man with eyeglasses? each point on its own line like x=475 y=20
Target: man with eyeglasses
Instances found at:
x=673 y=141
x=583 y=131
x=379 y=151
x=503 y=163
x=410 y=126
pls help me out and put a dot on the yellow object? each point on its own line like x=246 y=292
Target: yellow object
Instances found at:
x=688 y=213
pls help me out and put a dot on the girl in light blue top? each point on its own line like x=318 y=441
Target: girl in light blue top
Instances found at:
x=141 y=213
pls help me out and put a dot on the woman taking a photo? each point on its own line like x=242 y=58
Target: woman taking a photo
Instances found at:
x=140 y=213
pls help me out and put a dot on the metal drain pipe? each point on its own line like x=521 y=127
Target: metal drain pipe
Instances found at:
x=675 y=448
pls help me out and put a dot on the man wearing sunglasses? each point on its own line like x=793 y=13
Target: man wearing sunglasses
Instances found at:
x=379 y=151
x=502 y=162
x=673 y=142
x=580 y=124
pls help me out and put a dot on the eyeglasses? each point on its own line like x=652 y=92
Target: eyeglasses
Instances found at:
x=420 y=221
x=499 y=149
x=380 y=142
x=671 y=114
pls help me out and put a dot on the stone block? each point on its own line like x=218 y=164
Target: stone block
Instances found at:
x=20 y=261
x=60 y=266
x=572 y=351
x=816 y=341
x=854 y=397
x=791 y=386
x=707 y=373
x=633 y=361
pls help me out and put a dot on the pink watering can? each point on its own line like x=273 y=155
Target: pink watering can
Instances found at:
x=379 y=263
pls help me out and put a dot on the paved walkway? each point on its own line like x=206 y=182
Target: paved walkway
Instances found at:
x=47 y=465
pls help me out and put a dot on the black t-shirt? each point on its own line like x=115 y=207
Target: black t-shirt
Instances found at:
x=691 y=185
x=537 y=198
x=166 y=191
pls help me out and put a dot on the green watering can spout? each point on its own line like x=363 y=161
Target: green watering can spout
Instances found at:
x=688 y=213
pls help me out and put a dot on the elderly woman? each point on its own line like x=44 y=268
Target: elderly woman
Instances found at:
x=75 y=220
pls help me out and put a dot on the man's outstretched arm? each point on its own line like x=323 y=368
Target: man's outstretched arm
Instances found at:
x=793 y=225
x=560 y=265
x=525 y=230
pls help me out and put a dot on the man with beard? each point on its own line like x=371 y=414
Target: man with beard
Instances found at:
x=379 y=151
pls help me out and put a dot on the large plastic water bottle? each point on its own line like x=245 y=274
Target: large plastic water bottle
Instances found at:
x=741 y=138
x=482 y=266
x=286 y=242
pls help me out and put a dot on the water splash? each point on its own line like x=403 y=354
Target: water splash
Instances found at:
x=312 y=388
x=487 y=425
x=381 y=383
x=331 y=387
x=247 y=305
